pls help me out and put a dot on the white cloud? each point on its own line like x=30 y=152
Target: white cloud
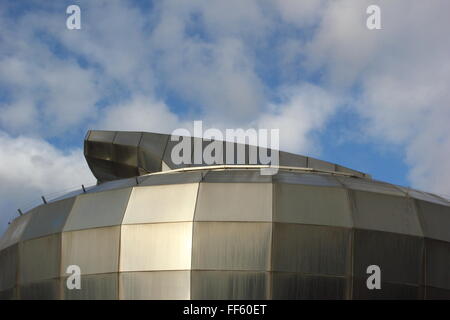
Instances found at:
x=31 y=167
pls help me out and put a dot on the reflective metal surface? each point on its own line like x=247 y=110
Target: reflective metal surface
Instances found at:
x=226 y=232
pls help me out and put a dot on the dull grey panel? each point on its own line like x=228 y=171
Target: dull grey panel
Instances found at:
x=94 y=287
x=419 y=195
x=313 y=179
x=156 y=285
x=15 y=231
x=385 y=213
x=234 y=202
x=40 y=259
x=151 y=151
x=230 y=285
x=370 y=185
x=292 y=160
x=41 y=290
x=436 y=294
x=166 y=203
x=311 y=249
x=296 y=203
x=9 y=264
x=93 y=250
x=320 y=164
x=388 y=291
x=437 y=264
x=400 y=257
x=8 y=294
x=48 y=219
x=100 y=209
x=157 y=246
x=231 y=246
x=295 y=286
x=435 y=220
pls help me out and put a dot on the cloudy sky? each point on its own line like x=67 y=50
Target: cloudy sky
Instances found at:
x=373 y=100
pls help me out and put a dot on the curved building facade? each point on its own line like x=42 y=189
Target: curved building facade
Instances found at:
x=155 y=230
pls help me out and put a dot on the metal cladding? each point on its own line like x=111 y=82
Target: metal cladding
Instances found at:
x=226 y=233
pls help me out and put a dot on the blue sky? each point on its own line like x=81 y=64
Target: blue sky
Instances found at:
x=374 y=100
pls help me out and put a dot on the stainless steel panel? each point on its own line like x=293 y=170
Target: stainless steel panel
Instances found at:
x=100 y=209
x=347 y=170
x=295 y=286
x=371 y=186
x=171 y=178
x=400 y=257
x=230 y=285
x=385 y=213
x=437 y=269
x=388 y=291
x=311 y=249
x=311 y=205
x=15 y=231
x=8 y=294
x=435 y=220
x=416 y=194
x=234 y=202
x=292 y=160
x=41 y=290
x=112 y=185
x=159 y=246
x=436 y=294
x=166 y=203
x=231 y=246
x=102 y=136
x=156 y=285
x=150 y=151
x=94 y=287
x=125 y=148
x=234 y=176
x=48 y=219
x=313 y=179
x=93 y=250
x=9 y=264
x=320 y=164
x=40 y=259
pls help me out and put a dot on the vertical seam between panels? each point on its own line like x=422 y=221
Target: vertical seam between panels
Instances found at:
x=272 y=226
x=120 y=242
x=137 y=152
x=164 y=153
x=423 y=276
x=192 y=238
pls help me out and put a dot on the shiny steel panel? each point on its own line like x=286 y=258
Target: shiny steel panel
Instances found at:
x=230 y=285
x=155 y=285
x=150 y=151
x=320 y=164
x=228 y=176
x=234 y=202
x=166 y=203
x=296 y=203
x=171 y=178
x=100 y=209
x=385 y=213
x=40 y=259
x=48 y=219
x=158 y=246
x=311 y=249
x=93 y=250
x=231 y=246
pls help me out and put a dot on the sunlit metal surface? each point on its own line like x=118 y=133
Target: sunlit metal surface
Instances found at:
x=154 y=230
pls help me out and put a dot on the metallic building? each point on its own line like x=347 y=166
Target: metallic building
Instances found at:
x=154 y=230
